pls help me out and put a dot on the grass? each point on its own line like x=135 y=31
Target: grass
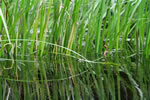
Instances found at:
x=77 y=25
x=74 y=28
x=65 y=77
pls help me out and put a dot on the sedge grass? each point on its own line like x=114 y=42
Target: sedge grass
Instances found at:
x=38 y=80
x=74 y=27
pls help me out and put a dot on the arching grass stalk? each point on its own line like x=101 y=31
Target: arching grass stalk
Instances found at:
x=82 y=58
x=90 y=66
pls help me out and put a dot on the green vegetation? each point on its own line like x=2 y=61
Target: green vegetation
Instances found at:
x=35 y=34
x=64 y=77
x=80 y=25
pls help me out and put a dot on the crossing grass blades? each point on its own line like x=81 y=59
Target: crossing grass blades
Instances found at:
x=74 y=49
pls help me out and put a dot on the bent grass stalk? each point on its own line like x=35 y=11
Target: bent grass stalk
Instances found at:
x=88 y=26
x=82 y=58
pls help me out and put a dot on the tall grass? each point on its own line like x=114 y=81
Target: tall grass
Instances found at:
x=67 y=78
x=78 y=25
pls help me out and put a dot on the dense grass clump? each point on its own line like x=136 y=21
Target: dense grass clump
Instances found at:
x=47 y=49
x=80 y=25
